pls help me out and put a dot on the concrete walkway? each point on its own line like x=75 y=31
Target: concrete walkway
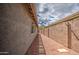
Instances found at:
x=54 y=48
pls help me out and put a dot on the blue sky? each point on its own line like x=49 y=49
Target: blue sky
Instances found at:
x=48 y=13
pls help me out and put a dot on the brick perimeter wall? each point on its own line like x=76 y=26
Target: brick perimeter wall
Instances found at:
x=59 y=34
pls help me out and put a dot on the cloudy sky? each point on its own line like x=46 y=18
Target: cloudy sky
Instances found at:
x=48 y=13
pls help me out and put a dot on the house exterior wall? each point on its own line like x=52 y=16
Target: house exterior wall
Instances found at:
x=15 y=29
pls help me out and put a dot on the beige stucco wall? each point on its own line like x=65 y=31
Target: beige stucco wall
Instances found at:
x=15 y=29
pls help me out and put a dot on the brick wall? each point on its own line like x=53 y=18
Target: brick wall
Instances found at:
x=59 y=33
x=75 y=41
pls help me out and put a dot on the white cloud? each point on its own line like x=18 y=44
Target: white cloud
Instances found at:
x=57 y=10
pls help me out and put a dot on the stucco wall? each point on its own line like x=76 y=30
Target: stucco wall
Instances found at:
x=15 y=29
